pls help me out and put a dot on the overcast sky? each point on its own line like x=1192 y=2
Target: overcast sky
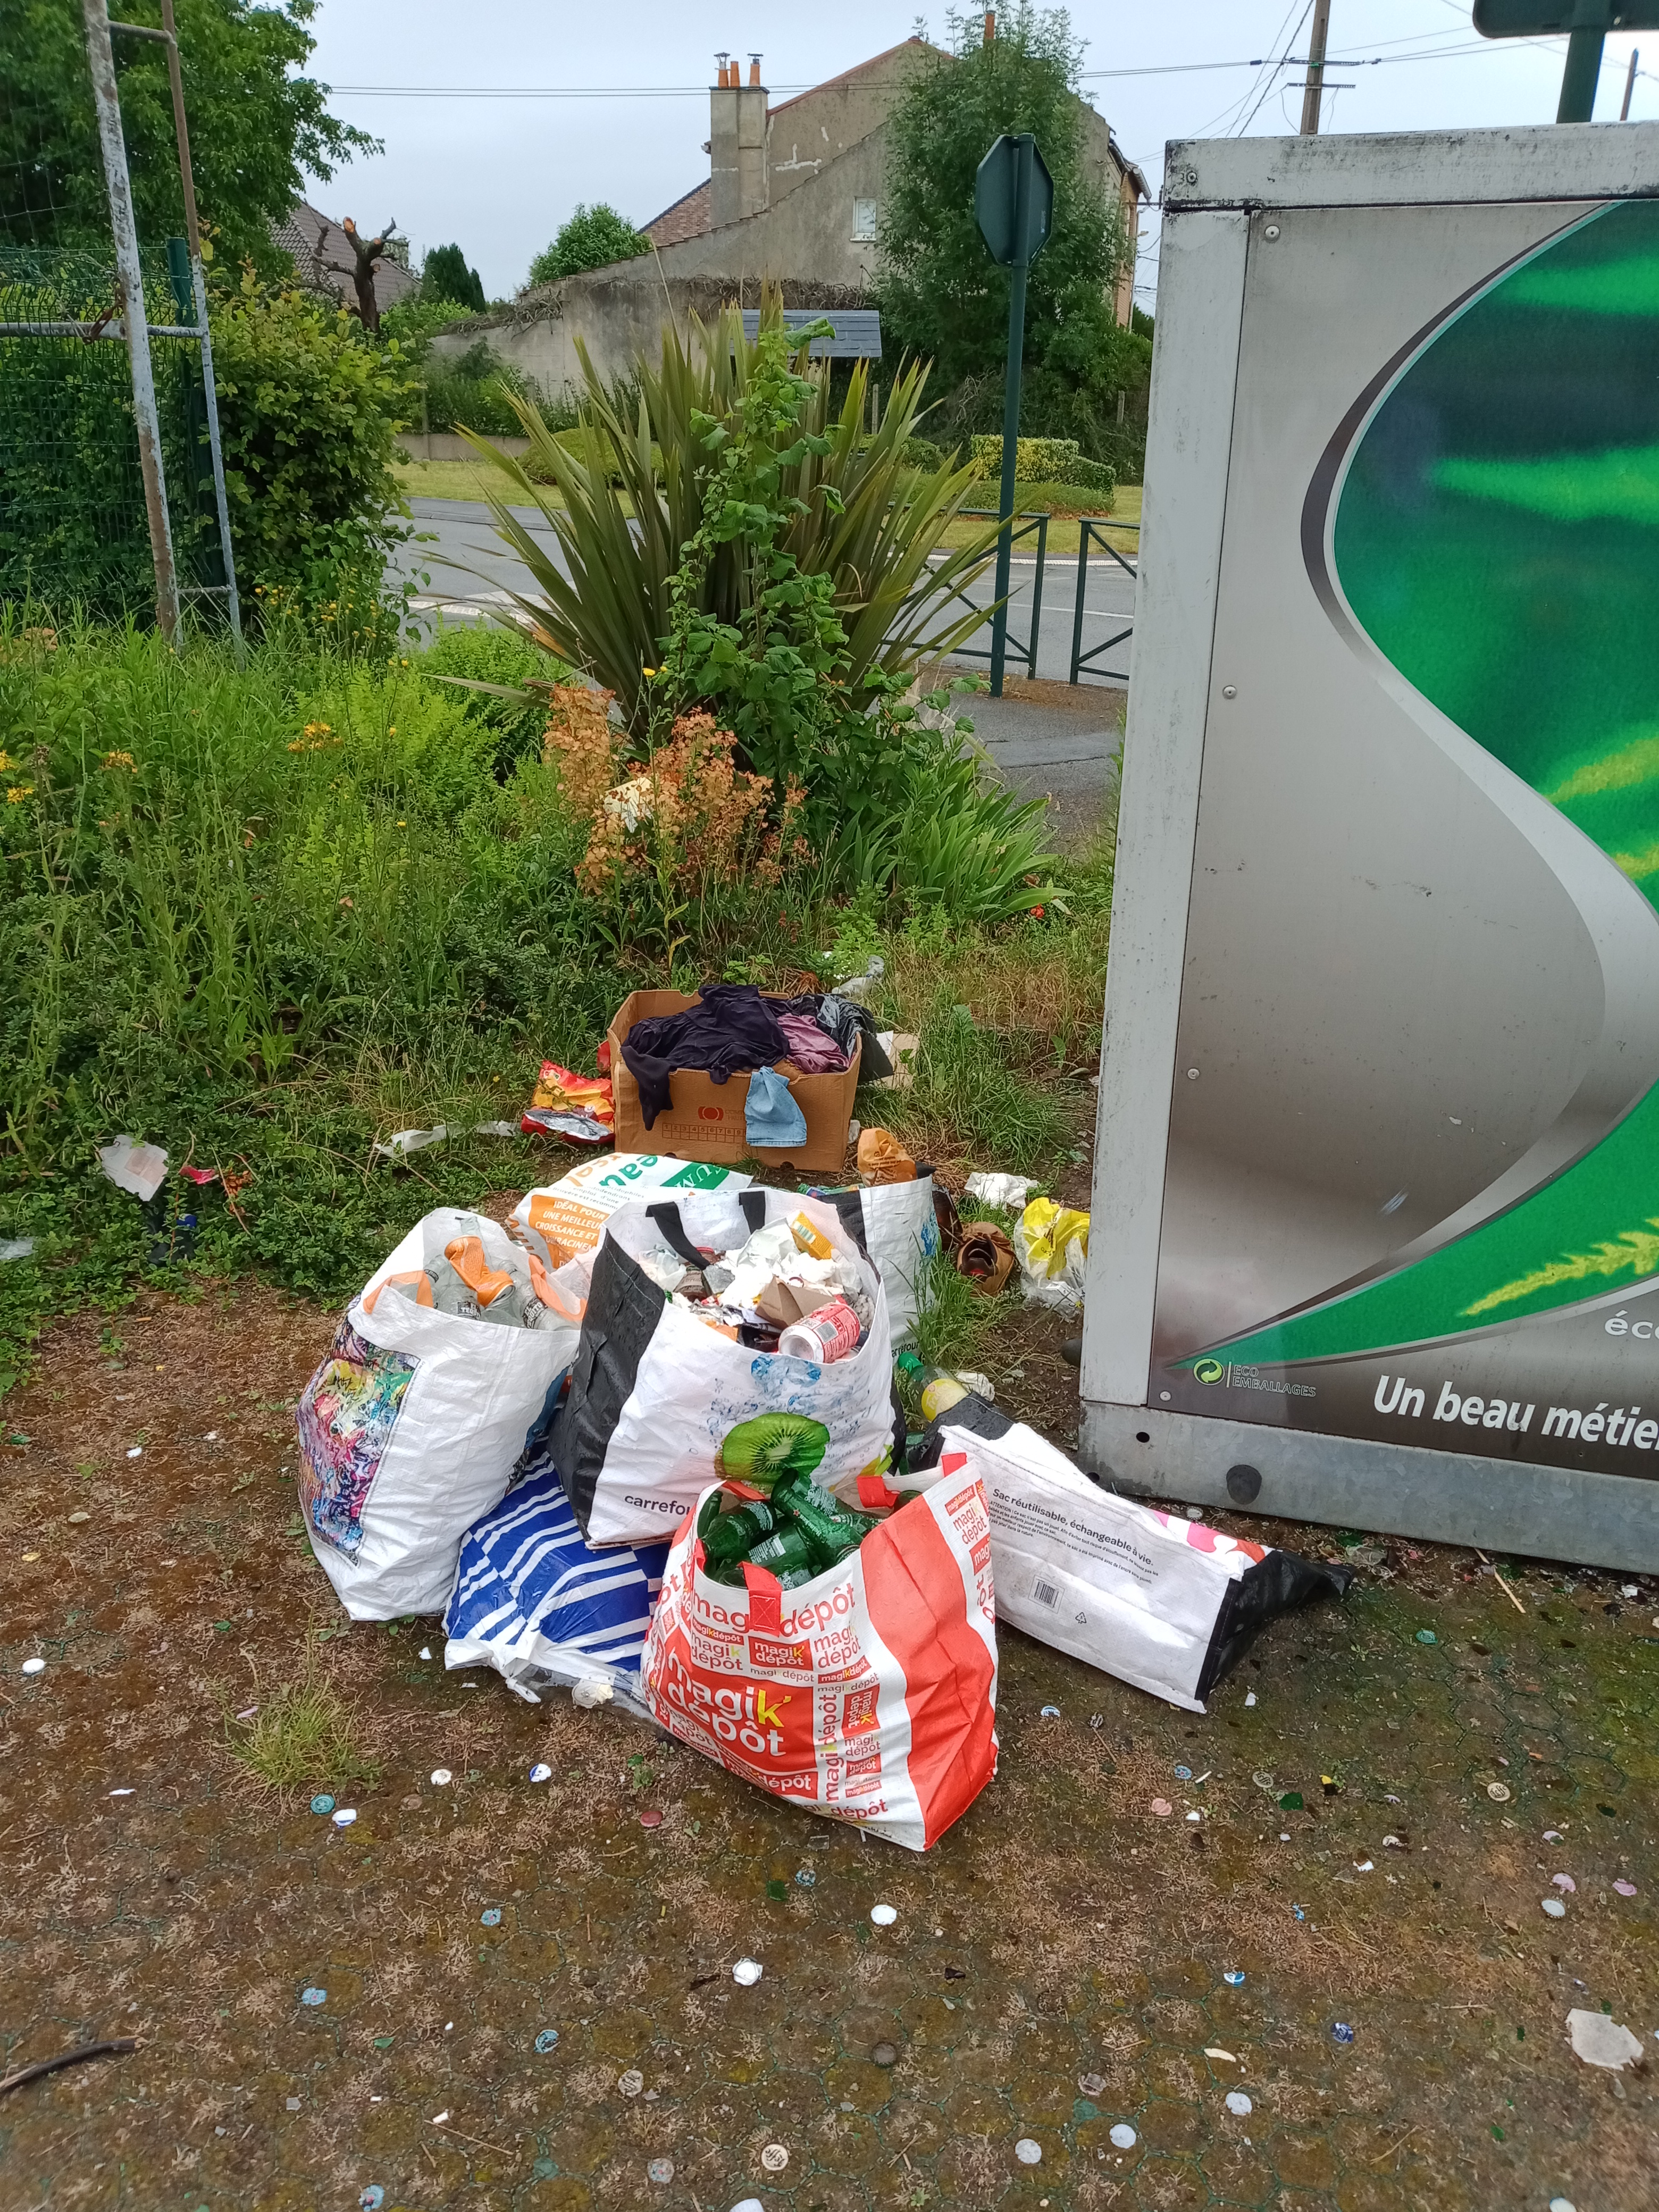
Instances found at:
x=499 y=175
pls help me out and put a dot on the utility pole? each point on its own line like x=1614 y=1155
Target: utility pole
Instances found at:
x=1314 y=88
x=1629 y=83
x=129 y=291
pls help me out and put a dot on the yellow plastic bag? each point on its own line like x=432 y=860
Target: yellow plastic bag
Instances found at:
x=1053 y=1244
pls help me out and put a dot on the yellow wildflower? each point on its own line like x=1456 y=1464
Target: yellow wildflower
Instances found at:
x=19 y=792
x=120 y=759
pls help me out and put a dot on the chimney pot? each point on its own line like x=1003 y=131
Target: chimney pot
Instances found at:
x=990 y=26
x=754 y=69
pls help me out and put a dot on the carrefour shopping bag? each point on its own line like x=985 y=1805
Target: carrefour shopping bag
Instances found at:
x=867 y=1694
x=411 y=1426
x=661 y=1404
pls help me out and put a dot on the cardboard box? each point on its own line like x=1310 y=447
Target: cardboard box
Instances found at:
x=706 y=1120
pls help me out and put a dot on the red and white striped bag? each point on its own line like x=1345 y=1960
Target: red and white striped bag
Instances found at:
x=868 y=1694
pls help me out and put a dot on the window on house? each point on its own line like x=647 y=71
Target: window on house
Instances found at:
x=864 y=222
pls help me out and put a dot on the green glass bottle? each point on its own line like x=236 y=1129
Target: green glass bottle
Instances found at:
x=730 y=1536
x=785 y=1552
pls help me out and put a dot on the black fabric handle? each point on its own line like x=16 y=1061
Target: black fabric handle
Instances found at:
x=753 y=1203
x=666 y=1215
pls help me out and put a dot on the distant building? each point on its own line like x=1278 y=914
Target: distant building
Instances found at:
x=316 y=241
x=797 y=189
x=793 y=195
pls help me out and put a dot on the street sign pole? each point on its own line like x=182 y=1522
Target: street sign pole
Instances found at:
x=1026 y=148
x=1585 y=23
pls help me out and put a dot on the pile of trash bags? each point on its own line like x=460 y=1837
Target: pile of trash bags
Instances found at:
x=650 y=1441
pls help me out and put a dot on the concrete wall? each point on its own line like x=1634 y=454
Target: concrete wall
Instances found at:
x=619 y=313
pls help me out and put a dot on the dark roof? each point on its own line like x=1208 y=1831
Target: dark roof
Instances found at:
x=315 y=241
x=687 y=218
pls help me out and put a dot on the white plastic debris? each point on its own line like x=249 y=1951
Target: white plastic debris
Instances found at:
x=630 y=2083
x=440 y=2119
x=980 y=1385
x=1123 y=2136
x=140 y=1169
x=342 y=1816
x=34 y=1666
x=1238 y=2104
x=1006 y=1190
x=541 y=1772
x=1250 y=1697
x=747 y=1973
x=135 y=1451
x=408 y=1141
x=775 y=2157
x=592 y=1690
x=426 y=1651
x=1555 y=1908
x=1600 y=2040
x=1029 y=2151
x=440 y=1776
x=15 y=1248
x=122 y=1793
x=883 y=1915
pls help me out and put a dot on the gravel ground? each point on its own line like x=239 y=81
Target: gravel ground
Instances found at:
x=1056 y=1973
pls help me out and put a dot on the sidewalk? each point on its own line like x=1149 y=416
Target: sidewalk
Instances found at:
x=1058 y=742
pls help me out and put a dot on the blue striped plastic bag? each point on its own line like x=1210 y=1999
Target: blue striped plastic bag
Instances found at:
x=543 y=1607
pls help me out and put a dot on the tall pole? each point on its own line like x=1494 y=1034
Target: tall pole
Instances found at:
x=1629 y=83
x=1027 y=145
x=1314 y=88
x=129 y=293
x=198 y=282
x=1583 y=69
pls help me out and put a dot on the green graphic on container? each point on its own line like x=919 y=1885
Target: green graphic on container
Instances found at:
x=1497 y=538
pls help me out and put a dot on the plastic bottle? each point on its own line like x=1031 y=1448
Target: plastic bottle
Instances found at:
x=925 y=1392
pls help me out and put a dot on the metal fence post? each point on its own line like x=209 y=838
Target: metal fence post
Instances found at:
x=1084 y=532
x=199 y=283
x=129 y=285
x=1037 y=597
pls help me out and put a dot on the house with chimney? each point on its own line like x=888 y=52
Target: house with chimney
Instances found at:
x=792 y=197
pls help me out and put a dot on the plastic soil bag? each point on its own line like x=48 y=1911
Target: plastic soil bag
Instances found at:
x=534 y=1601
x=411 y=1426
x=1053 y=1244
x=1157 y=1599
x=866 y=1694
x=559 y=1220
x=661 y=1405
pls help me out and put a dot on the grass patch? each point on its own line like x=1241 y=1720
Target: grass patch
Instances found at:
x=973 y=1102
x=1064 y=503
x=303 y=1735
x=957 y=1325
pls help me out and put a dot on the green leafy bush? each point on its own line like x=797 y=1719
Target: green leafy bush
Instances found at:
x=591 y=239
x=476 y=391
x=309 y=411
x=1041 y=460
x=479 y=654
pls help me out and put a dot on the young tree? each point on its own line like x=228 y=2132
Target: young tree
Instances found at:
x=256 y=126
x=445 y=276
x=940 y=294
x=368 y=254
x=593 y=237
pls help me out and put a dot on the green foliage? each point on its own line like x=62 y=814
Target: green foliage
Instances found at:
x=923 y=453
x=476 y=391
x=1041 y=460
x=941 y=295
x=309 y=410
x=445 y=276
x=634 y=491
x=256 y=128
x=591 y=239
x=414 y=322
x=476 y=652
x=971 y=1080
x=956 y=1326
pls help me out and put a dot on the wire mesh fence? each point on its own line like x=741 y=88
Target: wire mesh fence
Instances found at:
x=73 y=531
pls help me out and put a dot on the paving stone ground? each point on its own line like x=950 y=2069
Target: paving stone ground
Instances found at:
x=1056 y=1971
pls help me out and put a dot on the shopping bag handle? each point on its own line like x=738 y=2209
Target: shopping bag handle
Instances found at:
x=666 y=1215
x=765 y=1600
x=753 y=1203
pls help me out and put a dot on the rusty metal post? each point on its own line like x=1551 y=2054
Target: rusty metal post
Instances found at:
x=129 y=288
